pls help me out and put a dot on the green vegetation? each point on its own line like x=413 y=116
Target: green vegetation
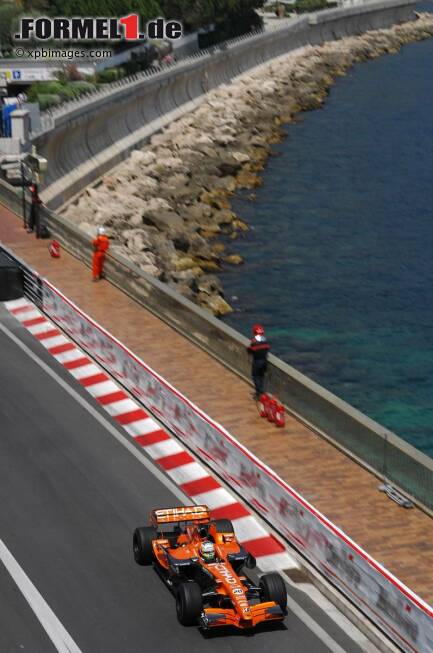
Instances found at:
x=48 y=100
x=303 y=6
x=50 y=94
x=110 y=75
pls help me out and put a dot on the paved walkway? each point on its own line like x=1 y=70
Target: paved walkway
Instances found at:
x=346 y=493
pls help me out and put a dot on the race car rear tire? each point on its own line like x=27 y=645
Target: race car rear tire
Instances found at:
x=273 y=589
x=223 y=526
x=142 y=545
x=189 y=603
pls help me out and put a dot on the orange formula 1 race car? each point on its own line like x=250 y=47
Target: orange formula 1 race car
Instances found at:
x=202 y=563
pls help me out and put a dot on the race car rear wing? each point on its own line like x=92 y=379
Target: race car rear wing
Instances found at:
x=183 y=513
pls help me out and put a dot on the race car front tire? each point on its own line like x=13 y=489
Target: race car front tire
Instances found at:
x=189 y=603
x=142 y=544
x=223 y=526
x=273 y=589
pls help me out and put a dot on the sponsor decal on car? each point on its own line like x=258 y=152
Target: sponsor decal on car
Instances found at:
x=235 y=587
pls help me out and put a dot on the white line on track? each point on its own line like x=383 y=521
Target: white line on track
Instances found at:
x=310 y=623
x=55 y=630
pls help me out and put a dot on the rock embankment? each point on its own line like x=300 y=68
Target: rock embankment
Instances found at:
x=166 y=206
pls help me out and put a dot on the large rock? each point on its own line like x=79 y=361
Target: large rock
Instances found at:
x=185 y=263
x=240 y=224
x=172 y=164
x=190 y=156
x=143 y=157
x=223 y=139
x=175 y=186
x=139 y=242
x=163 y=153
x=186 y=277
x=165 y=250
x=164 y=220
x=214 y=303
x=136 y=219
x=198 y=212
x=209 y=284
x=234 y=259
x=181 y=195
x=248 y=180
x=216 y=199
x=206 y=265
x=205 y=181
x=181 y=240
x=145 y=187
x=240 y=157
x=223 y=217
x=227 y=184
x=210 y=231
x=199 y=247
x=154 y=206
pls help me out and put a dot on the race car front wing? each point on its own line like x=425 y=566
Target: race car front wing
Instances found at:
x=259 y=613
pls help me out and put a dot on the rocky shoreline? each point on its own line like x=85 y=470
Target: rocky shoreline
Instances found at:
x=167 y=204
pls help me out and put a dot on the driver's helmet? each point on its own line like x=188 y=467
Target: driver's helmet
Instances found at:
x=207 y=551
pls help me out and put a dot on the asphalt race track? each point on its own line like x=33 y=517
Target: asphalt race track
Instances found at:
x=71 y=495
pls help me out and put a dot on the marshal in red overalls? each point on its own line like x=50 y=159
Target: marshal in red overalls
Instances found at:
x=259 y=348
x=100 y=247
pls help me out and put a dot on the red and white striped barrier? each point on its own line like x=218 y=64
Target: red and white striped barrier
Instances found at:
x=191 y=477
x=406 y=618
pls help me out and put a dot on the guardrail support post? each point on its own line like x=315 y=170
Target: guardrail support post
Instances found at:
x=23 y=195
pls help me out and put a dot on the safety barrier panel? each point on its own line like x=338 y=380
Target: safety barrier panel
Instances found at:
x=406 y=619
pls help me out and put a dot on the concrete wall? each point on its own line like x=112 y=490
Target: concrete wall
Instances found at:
x=370 y=443
x=86 y=138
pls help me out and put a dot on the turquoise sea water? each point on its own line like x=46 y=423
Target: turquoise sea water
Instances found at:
x=339 y=260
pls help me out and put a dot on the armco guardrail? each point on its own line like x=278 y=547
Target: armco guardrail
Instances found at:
x=84 y=139
x=406 y=619
x=32 y=282
x=374 y=446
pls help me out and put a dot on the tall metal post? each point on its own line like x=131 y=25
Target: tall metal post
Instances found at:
x=23 y=195
x=36 y=210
